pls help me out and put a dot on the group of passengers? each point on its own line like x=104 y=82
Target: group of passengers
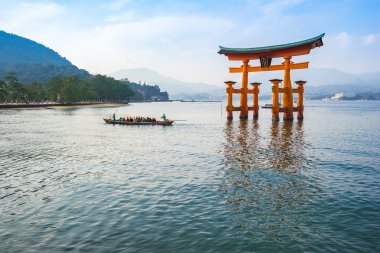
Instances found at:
x=137 y=119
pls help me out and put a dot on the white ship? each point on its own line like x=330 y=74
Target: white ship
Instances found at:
x=337 y=96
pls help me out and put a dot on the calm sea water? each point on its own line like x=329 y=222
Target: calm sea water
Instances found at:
x=69 y=182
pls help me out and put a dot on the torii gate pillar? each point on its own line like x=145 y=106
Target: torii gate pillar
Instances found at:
x=255 y=91
x=275 y=106
x=230 y=91
x=265 y=55
x=287 y=98
x=244 y=92
x=300 y=99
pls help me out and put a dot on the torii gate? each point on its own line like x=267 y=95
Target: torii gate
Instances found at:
x=265 y=55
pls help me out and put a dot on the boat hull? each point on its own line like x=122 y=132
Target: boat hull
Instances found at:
x=281 y=109
x=160 y=123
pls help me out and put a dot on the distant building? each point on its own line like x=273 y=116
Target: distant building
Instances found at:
x=338 y=96
x=342 y=96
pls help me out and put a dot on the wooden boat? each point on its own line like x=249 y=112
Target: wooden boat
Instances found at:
x=267 y=106
x=161 y=123
x=281 y=109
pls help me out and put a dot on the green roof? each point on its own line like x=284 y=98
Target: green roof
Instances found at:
x=224 y=50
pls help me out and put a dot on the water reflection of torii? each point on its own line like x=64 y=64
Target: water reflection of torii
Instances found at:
x=265 y=185
x=243 y=141
x=284 y=152
x=287 y=145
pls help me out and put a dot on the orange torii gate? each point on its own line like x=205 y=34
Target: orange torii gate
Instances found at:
x=265 y=55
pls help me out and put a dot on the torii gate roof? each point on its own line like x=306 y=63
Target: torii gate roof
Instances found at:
x=290 y=49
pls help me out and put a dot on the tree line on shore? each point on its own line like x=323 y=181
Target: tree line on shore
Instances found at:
x=69 y=89
x=72 y=89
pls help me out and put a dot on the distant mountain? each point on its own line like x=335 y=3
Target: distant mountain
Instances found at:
x=32 y=61
x=319 y=81
x=169 y=84
x=322 y=80
x=320 y=77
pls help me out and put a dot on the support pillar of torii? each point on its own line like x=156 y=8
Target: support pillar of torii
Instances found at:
x=265 y=55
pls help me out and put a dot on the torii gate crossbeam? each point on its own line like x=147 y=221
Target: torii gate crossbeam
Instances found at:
x=265 y=55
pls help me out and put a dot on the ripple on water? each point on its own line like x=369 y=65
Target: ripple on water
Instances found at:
x=68 y=182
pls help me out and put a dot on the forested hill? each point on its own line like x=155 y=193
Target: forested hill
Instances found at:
x=33 y=62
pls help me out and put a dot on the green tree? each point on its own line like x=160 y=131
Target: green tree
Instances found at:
x=98 y=84
x=86 y=91
x=70 y=92
x=16 y=91
x=66 y=89
x=54 y=86
x=107 y=88
x=11 y=78
x=3 y=90
x=36 y=92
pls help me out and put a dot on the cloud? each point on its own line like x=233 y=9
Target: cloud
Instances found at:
x=29 y=13
x=180 y=44
x=279 y=6
x=273 y=7
x=178 y=40
x=347 y=53
x=127 y=16
x=342 y=40
x=369 y=39
x=35 y=20
x=117 y=4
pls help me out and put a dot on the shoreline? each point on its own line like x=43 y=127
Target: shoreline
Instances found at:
x=37 y=106
x=59 y=106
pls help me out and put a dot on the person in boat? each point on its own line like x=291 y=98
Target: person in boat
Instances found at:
x=114 y=117
x=163 y=117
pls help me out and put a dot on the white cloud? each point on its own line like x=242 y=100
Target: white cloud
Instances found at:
x=30 y=13
x=127 y=16
x=35 y=20
x=273 y=6
x=117 y=4
x=342 y=40
x=279 y=6
x=347 y=53
x=173 y=45
x=369 y=39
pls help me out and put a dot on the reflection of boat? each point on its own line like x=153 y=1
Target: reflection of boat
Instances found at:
x=161 y=123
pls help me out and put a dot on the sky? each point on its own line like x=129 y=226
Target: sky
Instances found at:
x=181 y=38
